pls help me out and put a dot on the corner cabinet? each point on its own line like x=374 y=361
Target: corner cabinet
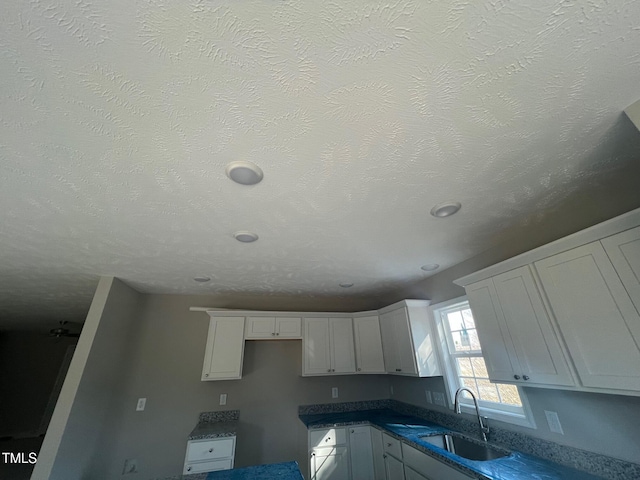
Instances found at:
x=408 y=339
x=225 y=349
x=567 y=314
x=368 y=342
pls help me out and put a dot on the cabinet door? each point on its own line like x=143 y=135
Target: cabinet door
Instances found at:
x=225 y=347
x=596 y=316
x=393 y=468
x=260 y=327
x=428 y=466
x=389 y=343
x=410 y=474
x=361 y=453
x=288 y=327
x=497 y=346
x=399 y=354
x=369 y=357
x=378 y=452
x=341 y=342
x=329 y=464
x=539 y=353
x=624 y=251
x=317 y=350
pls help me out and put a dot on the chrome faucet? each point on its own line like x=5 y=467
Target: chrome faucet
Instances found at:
x=484 y=427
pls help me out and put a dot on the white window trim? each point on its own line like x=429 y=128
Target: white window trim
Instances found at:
x=451 y=379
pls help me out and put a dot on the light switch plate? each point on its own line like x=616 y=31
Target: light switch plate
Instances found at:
x=142 y=402
x=223 y=399
x=438 y=399
x=334 y=392
x=554 y=422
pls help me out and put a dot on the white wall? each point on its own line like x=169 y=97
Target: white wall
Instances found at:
x=92 y=381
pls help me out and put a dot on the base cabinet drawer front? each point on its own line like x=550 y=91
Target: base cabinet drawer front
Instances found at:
x=211 y=449
x=327 y=437
x=596 y=316
x=212 y=466
x=428 y=466
x=392 y=445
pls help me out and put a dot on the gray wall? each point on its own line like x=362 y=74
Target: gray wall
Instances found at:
x=92 y=381
x=607 y=424
x=29 y=366
x=165 y=364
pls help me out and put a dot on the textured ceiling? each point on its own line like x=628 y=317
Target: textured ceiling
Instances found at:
x=117 y=120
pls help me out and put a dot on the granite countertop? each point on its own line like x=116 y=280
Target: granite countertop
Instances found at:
x=409 y=429
x=280 y=471
x=216 y=425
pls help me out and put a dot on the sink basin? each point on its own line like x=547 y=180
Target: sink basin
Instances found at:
x=465 y=448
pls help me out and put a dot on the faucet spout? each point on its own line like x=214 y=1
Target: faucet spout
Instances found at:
x=484 y=427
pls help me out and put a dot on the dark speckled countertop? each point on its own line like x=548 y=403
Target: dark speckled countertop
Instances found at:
x=409 y=429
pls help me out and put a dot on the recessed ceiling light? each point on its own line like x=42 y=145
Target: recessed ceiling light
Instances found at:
x=202 y=279
x=430 y=267
x=244 y=173
x=245 y=237
x=346 y=285
x=445 y=209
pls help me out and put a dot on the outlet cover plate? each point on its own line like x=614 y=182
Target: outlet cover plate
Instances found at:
x=142 y=402
x=554 y=422
x=427 y=394
x=223 y=399
x=438 y=399
x=334 y=392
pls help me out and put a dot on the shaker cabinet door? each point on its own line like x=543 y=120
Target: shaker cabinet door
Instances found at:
x=598 y=320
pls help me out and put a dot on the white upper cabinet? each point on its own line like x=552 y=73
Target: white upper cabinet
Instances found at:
x=517 y=335
x=566 y=314
x=624 y=251
x=599 y=322
x=328 y=346
x=225 y=348
x=277 y=328
x=369 y=356
x=407 y=339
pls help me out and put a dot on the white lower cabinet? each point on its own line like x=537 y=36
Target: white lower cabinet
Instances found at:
x=394 y=470
x=428 y=467
x=378 y=455
x=361 y=453
x=411 y=474
x=328 y=454
x=209 y=455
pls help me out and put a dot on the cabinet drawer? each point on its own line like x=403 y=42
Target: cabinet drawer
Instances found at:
x=210 y=449
x=326 y=437
x=212 y=466
x=392 y=446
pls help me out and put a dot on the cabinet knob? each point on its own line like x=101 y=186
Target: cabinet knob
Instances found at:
x=398 y=369
x=384 y=456
x=517 y=377
x=388 y=444
x=353 y=431
x=526 y=377
x=278 y=333
x=188 y=469
x=273 y=334
x=210 y=450
x=359 y=369
x=206 y=374
x=328 y=370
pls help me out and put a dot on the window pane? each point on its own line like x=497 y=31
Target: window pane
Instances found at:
x=464 y=367
x=474 y=341
x=488 y=391
x=468 y=318
x=461 y=341
x=470 y=383
x=509 y=394
x=479 y=367
x=455 y=320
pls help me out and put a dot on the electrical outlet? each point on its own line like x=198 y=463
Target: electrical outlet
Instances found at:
x=554 y=422
x=130 y=466
x=142 y=402
x=427 y=394
x=438 y=399
x=223 y=399
x=334 y=392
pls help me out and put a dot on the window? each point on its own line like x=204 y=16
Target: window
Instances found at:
x=465 y=366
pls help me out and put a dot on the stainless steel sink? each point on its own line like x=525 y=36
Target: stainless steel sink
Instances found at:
x=465 y=448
